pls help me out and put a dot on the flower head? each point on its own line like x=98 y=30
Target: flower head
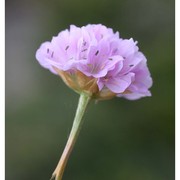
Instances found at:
x=95 y=60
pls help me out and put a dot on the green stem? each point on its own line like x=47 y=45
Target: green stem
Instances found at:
x=83 y=102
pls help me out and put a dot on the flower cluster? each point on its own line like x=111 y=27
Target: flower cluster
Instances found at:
x=97 y=61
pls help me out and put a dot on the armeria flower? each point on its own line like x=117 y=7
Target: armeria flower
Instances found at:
x=97 y=63
x=95 y=60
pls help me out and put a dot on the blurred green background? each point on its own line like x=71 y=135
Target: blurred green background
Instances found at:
x=120 y=139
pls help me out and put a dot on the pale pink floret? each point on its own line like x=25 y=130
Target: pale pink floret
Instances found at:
x=98 y=52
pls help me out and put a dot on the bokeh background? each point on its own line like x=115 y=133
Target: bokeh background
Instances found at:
x=120 y=139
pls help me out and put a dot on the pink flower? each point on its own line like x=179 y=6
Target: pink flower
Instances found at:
x=96 y=60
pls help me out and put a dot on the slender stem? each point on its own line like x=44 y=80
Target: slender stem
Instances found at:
x=83 y=102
